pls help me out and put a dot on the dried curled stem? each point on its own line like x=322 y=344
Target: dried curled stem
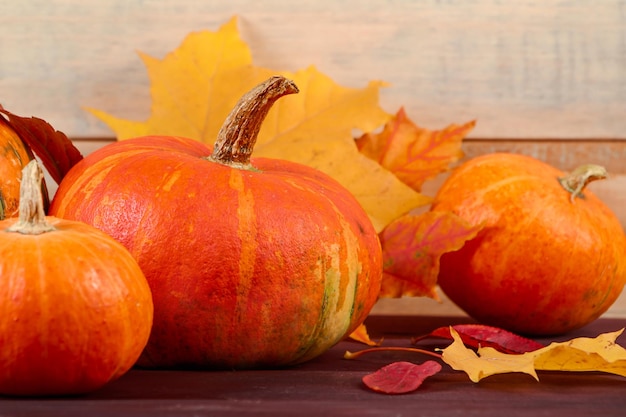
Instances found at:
x=576 y=181
x=236 y=139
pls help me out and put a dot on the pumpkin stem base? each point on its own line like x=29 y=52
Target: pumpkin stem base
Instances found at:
x=576 y=181
x=32 y=215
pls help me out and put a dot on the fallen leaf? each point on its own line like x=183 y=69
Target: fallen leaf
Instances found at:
x=57 y=153
x=412 y=248
x=582 y=354
x=194 y=88
x=485 y=362
x=400 y=377
x=361 y=335
x=412 y=153
x=480 y=335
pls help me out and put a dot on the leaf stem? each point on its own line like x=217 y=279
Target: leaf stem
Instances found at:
x=354 y=355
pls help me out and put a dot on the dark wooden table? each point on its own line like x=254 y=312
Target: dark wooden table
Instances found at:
x=331 y=386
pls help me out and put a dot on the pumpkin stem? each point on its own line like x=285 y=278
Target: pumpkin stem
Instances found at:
x=576 y=181
x=236 y=139
x=32 y=216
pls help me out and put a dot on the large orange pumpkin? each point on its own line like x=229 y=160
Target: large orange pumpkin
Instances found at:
x=251 y=263
x=75 y=308
x=14 y=156
x=551 y=255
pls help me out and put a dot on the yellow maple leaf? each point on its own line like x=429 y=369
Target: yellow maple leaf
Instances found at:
x=194 y=88
x=584 y=354
x=577 y=355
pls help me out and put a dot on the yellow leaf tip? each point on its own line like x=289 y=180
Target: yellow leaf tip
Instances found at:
x=349 y=355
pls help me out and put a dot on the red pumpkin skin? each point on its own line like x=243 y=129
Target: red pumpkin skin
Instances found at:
x=542 y=264
x=265 y=266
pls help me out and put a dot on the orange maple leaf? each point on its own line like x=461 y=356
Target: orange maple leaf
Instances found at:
x=412 y=248
x=412 y=153
x=361 y=335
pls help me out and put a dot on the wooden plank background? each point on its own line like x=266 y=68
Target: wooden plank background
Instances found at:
x=544 y=78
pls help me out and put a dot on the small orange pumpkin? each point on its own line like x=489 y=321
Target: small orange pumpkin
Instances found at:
x=252 y=263
x=75 y=308
x=551 y=255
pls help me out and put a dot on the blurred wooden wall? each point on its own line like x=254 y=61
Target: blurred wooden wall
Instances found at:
x=545 y=78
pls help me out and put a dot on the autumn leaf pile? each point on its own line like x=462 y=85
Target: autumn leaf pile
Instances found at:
x=482 y=351
x=194 y=87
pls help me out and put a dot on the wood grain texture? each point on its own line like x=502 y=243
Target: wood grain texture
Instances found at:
x=332 y=386
x=417 y=306
x=523 y=69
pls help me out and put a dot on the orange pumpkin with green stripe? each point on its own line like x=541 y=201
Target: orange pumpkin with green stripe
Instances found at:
x=14 y=156
x=251 y=263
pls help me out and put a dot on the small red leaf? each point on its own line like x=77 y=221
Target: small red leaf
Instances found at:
x=400 y=377
x=476 y=335
x=57 y=153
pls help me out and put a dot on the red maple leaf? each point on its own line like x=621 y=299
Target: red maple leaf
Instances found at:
x=57 y=153
x=476 y=335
